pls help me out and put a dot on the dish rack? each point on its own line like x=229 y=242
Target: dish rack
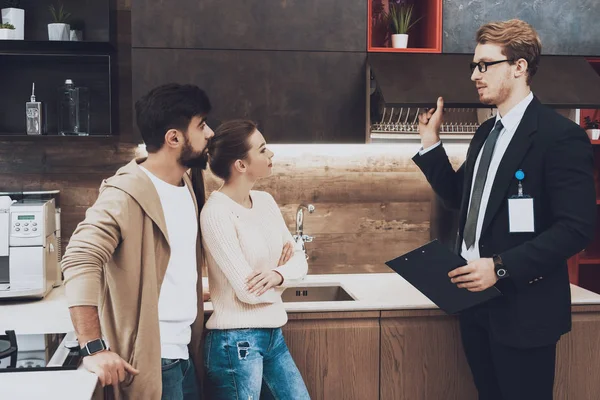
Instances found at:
x=403 y=122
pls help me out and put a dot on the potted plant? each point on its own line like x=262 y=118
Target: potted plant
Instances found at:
x=401 y=15
x=592 y=128
x=15 y=16
x=7 y=32
x=59 y=29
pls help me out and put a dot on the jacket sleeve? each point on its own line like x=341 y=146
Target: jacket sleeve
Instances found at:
x=222 y=243
x=444 y=180
x=571 y=194
x=92 y=245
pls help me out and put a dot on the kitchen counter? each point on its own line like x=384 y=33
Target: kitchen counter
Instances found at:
x=48 y=315
x=63 y=385
x=386 y=291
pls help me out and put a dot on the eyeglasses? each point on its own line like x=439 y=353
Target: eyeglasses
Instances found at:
x=483 y=65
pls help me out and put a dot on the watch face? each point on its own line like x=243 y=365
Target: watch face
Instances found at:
x=501 y=272
x=95 y=346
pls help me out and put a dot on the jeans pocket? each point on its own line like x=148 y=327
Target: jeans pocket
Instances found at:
x=168 y=363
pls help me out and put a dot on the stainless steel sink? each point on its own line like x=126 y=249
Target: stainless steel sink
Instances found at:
x=315 y=293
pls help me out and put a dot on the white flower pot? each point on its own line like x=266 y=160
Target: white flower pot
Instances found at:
x=400 y=41
x=15 y=17
x=58 y=31
x=7 y=34
x=594 y=134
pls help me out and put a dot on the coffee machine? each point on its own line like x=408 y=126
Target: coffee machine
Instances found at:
x=29 y=251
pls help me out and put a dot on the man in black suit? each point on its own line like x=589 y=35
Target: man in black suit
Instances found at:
x=527 y=203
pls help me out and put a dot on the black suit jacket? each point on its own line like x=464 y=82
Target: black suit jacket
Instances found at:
x=557 y=158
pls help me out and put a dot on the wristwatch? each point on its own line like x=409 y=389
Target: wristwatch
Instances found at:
x=499 y=267
x=93 y=347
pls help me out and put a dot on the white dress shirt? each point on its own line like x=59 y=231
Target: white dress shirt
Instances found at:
x=511 y=122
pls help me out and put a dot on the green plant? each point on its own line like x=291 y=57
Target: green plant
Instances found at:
x=401 y=15
x=59 y=16
x=589 y=124
x=6 y=26
x=12 y=3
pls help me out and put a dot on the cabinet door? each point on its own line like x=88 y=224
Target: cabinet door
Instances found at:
x=295 y=97
x=577 y=361
x=337 y=353
x=250 y=24
x=422 y=357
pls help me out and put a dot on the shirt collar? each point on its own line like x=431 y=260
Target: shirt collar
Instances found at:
x=512 y=119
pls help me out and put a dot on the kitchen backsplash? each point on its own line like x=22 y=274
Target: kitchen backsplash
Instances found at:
x=371 y=202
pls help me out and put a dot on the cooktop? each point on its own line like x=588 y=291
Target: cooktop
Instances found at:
x=38 y=352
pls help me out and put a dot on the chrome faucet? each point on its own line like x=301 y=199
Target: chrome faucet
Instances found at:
x=300 y=236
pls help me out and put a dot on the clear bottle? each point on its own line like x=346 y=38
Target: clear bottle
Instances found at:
x=73 y=110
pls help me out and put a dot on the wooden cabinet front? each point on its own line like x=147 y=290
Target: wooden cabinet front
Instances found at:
x=337 y=353
x=422 y=357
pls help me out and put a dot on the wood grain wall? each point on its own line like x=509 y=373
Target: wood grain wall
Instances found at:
x=371 y=201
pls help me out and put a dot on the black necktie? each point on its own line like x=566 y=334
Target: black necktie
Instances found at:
x=478 y=185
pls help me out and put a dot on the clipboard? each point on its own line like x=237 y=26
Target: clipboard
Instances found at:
x=427 y=268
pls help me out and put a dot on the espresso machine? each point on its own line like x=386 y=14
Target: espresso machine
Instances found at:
x=29 y=247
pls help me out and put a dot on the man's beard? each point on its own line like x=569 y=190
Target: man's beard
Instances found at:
x=193 y=159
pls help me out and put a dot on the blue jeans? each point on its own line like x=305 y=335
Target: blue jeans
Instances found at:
x=243 y=364
x=179 y=380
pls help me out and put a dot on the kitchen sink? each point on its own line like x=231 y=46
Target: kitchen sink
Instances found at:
x=294 y=294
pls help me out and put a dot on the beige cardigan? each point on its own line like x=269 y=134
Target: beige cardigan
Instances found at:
x=116 y=260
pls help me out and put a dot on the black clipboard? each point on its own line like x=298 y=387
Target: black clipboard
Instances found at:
x=427 y=268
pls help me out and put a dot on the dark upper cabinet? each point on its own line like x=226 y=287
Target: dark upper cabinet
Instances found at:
x=296 y=97
x=314 y=25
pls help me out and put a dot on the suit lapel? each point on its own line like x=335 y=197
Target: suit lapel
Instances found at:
x=518 y=147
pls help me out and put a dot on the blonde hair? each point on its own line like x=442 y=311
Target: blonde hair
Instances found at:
x=518 y=40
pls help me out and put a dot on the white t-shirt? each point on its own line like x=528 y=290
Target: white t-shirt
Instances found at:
x=177 y=302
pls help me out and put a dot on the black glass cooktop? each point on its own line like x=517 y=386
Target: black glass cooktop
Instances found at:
x=42 y=352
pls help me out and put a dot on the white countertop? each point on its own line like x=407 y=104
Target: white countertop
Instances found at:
x=386 y=291
x=63 y=385
x=59 y=385
x=48 y=315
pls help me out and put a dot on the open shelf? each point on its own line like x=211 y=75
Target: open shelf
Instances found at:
x=424 y=37
x=587 y=259
x=49 y=72
x=59 y=47
x=23 y=136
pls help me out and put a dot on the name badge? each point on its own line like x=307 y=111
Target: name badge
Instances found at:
x=520 y=210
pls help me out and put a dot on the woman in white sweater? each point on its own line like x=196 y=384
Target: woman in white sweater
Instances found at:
x=244 y=235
